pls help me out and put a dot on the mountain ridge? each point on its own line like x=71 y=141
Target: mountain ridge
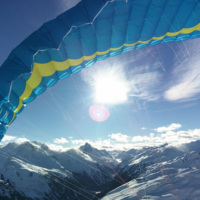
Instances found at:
x=32 y=170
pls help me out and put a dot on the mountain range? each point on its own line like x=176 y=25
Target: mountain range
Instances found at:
x=32 y=171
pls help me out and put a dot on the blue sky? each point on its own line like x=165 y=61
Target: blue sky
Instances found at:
x=162 y=99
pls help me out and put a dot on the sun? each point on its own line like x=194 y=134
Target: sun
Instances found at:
x=111 y=88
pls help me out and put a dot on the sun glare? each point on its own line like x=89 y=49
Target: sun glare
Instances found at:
x=111 y=88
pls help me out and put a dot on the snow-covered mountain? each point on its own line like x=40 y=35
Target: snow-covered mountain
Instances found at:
x=164 y=173
x=33 y=171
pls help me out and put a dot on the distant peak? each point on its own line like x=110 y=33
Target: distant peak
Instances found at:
x=86 y=147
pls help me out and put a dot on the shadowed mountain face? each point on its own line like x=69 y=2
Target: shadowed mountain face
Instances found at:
x=33 y=171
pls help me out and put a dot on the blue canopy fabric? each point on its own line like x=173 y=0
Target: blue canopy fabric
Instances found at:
x=91 y=31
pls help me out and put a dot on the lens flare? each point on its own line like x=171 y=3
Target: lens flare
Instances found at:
x=99 y=113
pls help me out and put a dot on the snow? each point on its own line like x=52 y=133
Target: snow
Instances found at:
x=31 y=166
x=177 y=177
x=164 y=172
x=27 y=166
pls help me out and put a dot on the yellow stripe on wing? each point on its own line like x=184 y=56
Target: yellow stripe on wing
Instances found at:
x=48 y=69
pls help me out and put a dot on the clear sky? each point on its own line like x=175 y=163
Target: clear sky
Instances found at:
x=159 y=91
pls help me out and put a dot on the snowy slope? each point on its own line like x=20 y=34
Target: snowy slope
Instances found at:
x=170 y=173
x=98 y=155
x=33 y=170
x=28 y=167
